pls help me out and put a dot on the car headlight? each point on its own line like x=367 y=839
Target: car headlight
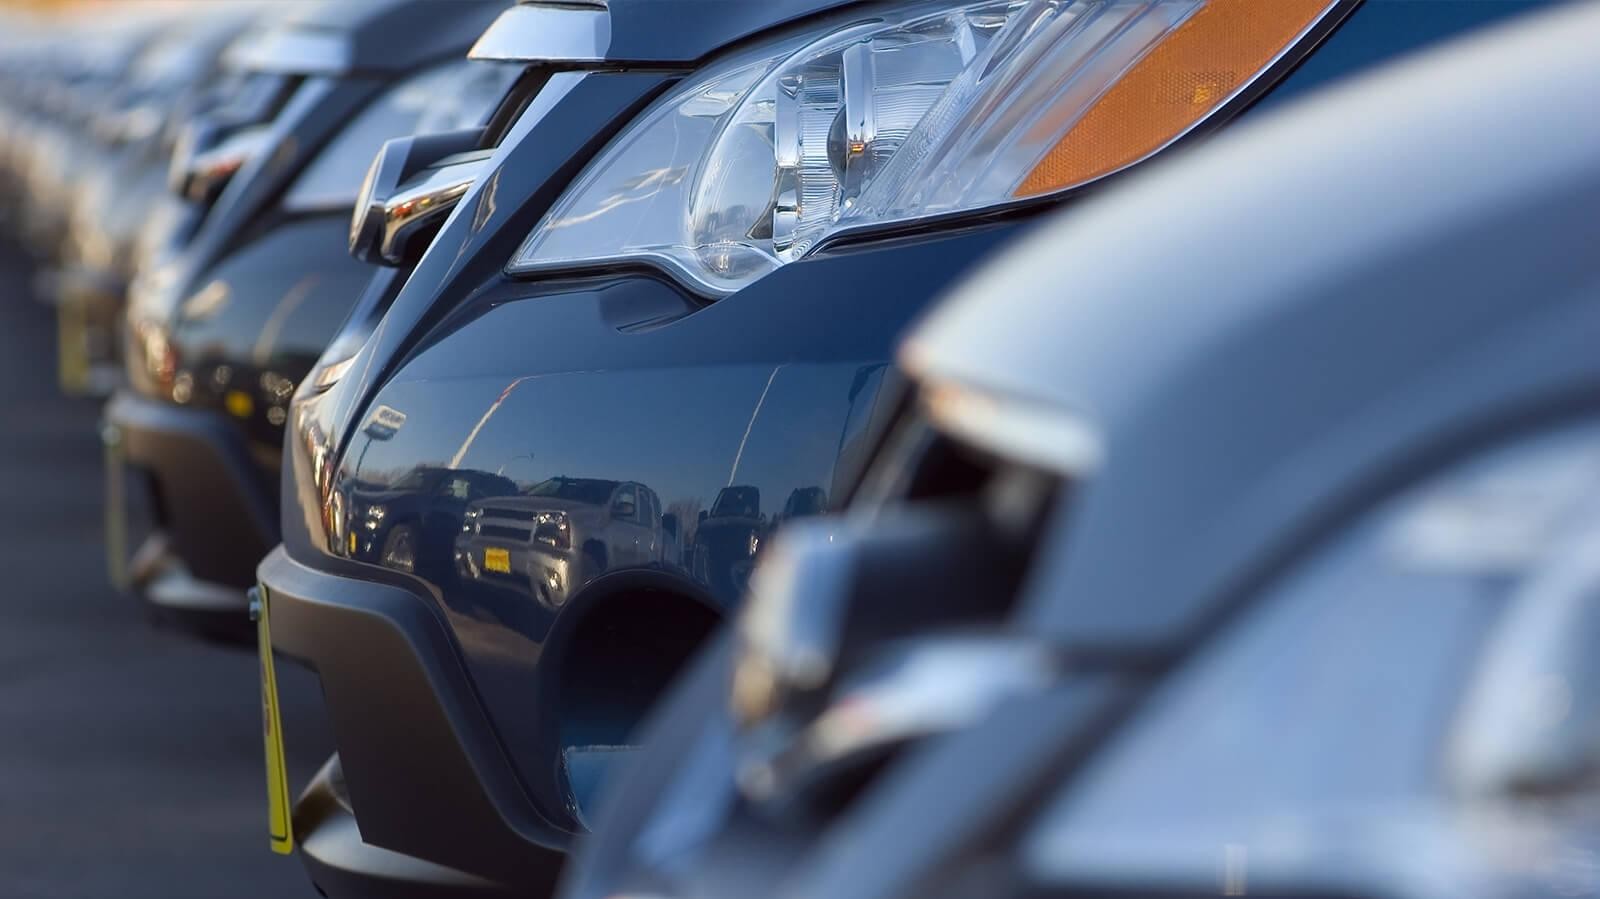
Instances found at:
x=552 y=529
x=941 y=108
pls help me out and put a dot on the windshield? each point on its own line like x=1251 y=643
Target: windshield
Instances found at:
x=737 y=502
x=589 y=491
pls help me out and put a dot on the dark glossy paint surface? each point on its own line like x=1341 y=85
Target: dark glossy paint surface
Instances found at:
x=260 y=319
x=249 y=304
x=319 y=107
x=477 y=394
x=655 y=31
x=550 y=451
x=1383 y=29
x=318 y=110
x=530 y=167
x=383 y=34
x=1377 y=647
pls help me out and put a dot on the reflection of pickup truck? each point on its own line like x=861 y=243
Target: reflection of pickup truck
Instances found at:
x=731 y=533
x=727 y=538
x=804 y=501
x=559 y=534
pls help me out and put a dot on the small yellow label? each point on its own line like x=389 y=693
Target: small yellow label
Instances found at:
x=496 y=559
x=239 y=404
x=116 y=505
x=280 y=827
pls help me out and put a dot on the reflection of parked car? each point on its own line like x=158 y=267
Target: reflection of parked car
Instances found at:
x=559 y=534
x=730 y=534
x=419 y=511
x=803 y=502
x=1273 y=572
x=727 y=538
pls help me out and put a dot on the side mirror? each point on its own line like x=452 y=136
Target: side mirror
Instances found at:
x=669 y=524
x=410 y=189
x=703 y=516
x=208 y=154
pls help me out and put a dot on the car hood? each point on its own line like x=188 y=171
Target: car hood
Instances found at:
x=575 y=509
x=620 y=31
x=372 y=36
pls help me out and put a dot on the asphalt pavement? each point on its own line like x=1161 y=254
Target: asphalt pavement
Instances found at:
x=130 y=756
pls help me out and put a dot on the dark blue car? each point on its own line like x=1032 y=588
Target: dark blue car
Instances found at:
x=1273 y=573
x=223 y=324
x=685 y=266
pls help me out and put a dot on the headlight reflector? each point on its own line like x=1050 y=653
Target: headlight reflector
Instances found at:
x=551 y=529
x=945 y=107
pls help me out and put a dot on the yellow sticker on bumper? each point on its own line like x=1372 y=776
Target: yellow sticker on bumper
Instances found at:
x=239 y=403
x=497 y=560
x=116 y=508
x=280 y=827
x=73 y=355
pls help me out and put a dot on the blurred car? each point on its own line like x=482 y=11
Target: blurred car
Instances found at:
x=123 y=203
x=65 y=97
x=1268 y=570
x=220 y=333
x=684 y=267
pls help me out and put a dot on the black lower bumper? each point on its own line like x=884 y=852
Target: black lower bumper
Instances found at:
x=426 y=776
x=342 y=865
x=215 y=509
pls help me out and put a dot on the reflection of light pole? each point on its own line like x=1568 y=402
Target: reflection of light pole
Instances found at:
x=739 y=454
x=500 y=472
x=362 y=459
x=455 y=461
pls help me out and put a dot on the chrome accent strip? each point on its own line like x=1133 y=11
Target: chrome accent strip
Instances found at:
x=293 y=51
x=420 y=203
x=199 y=173
x=1032 y=433
x=907 y=692
x=547 y=34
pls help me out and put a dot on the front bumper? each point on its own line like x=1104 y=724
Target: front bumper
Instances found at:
x=215 y=513
x=342 y=865
x=427 y=780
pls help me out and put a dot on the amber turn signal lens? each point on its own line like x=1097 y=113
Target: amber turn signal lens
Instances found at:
x=1221 y=48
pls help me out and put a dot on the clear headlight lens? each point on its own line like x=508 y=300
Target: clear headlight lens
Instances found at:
x=940 y=108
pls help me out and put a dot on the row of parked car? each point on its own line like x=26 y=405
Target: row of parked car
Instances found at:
x=1227 y=526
